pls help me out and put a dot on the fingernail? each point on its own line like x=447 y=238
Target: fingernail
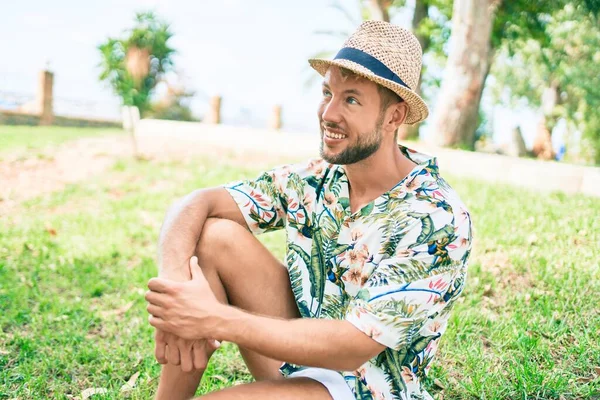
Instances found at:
x=217 y=343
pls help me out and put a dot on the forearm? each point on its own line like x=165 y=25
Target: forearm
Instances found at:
x=331 y=344
x=179 y=235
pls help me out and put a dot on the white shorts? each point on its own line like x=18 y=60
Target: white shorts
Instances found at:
x=333 y=381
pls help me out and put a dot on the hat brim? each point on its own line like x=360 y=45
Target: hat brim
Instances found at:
x=417 y=109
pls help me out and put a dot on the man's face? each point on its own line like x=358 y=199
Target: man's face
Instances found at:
x=349 y=118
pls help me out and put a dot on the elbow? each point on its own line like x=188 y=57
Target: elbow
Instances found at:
x=187 y=202
x=189 y=199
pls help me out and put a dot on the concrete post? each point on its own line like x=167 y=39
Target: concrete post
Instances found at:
x=45 y=97
x=275 y=122
x=214 y=112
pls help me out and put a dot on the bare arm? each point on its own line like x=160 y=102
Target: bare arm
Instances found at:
x=192 y=310
x=183 y=225
x=331 y=344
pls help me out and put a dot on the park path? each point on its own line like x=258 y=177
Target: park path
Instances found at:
x=28 y=175
x=24 y=176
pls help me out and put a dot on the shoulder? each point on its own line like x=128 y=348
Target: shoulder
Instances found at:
x=427 y=192
x=434 y=209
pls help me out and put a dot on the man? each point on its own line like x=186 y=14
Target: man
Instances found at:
x=377 y=249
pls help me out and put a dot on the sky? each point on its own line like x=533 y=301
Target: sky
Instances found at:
x=252 y=53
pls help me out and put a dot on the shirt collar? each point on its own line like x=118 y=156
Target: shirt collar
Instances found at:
x=425 y=164
x=423 y=161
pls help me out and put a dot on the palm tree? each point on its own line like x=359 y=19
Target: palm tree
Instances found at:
x=133 y=65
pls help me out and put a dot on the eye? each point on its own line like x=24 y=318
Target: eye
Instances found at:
x=326 y=93
x=352 y=100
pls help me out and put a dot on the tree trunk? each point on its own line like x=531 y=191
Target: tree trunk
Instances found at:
x=469 y=62
x=379 y=9
x=137 y=63
x=411 y=132
x=542 y=145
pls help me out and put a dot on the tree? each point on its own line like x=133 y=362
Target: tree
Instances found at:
x=473 y=45
x=559 y=74
x=379 y=9
x=134 y=64
x=174 y=105
x=468 y=65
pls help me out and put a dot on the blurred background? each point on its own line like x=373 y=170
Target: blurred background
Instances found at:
x=522 y=74
x=110 y=110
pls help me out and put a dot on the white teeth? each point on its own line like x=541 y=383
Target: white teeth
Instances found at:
x=334 y=135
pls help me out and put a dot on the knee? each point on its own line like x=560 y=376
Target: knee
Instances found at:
x=216 y=238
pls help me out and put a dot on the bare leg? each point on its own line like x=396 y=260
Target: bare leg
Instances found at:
x=288 y=389
x=241 y=272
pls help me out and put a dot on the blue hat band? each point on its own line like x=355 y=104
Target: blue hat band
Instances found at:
x=370 y=62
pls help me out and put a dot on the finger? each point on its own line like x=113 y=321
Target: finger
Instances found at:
x=214 y=344
x=160 y=285
x=195 y=269
x=157 y=322
x=173 y=354
x=160 y=347
x=185 y=354
x=155 y=310
x=155 y=298
x=199 y=352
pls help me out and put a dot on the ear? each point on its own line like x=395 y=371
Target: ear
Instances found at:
x=398 y=113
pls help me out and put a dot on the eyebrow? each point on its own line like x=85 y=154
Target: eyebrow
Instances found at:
x=347 y=91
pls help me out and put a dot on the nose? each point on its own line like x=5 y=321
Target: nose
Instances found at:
x=331 y=111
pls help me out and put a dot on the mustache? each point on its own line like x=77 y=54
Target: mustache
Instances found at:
x=332 y=125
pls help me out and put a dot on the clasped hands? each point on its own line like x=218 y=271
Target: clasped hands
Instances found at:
x=185 y=315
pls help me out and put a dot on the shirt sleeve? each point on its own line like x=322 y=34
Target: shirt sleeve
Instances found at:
x=262 y=200
x=419 y=281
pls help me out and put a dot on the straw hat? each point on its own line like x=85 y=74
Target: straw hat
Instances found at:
x=388 y=55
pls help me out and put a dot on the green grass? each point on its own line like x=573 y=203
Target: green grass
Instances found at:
x=22 y=138
x=71 y=263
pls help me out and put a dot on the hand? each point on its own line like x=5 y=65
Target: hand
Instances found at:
x=189 y=309
x=190 y=354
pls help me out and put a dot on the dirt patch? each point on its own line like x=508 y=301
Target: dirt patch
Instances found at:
x=26 y=178
x=32 y=175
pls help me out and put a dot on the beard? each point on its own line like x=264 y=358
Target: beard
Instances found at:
x=366 y=144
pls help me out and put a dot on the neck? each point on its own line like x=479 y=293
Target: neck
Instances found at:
x=377 y=174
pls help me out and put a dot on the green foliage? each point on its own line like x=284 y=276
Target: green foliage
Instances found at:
x=175 y=107
x=150 y=34
x=522 y=18
x=566 y=55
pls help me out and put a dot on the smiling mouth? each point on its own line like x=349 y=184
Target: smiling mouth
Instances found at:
x=333 y=135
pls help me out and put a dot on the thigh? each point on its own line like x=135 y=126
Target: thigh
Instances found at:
x=288 y=389
x=251 y=277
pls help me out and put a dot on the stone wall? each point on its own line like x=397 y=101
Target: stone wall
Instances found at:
x=41 y=112
x=18 y=118
x=86 y=122
x=8 y=117
x=545 y=176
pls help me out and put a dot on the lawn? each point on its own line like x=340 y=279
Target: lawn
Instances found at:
x=23 y=138
x=74 y=265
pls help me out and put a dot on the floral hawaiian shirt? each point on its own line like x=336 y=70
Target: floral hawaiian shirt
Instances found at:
x=393 y=269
